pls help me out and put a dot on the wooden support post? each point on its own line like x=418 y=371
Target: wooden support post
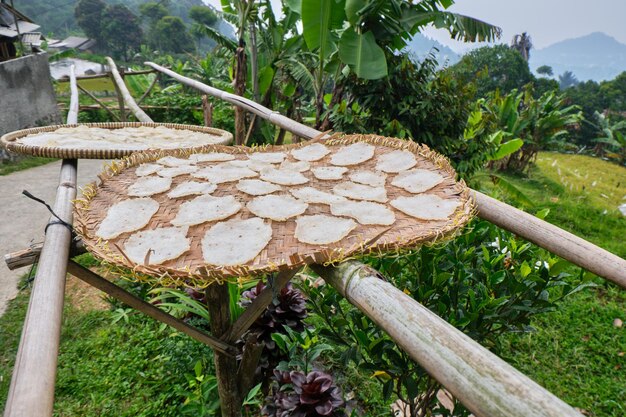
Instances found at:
x=258 y=305
x=104 y=106
x=225 y=367
x=148 y=309
x=207 y=111
x=120 y=99
x=484 y=383
x=72 y=113
x=499 y=213
x=34 y=374
x=120 y=87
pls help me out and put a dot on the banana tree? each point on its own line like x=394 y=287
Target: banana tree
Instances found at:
x=613 y=136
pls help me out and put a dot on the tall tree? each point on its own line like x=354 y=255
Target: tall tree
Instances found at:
x=545 y=70
x=121 y=31
x=88 y=15
x=170 y=35
x=567 y=80
x=522 y=44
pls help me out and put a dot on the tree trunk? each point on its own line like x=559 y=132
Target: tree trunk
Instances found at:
x=225 y=367
x=241 y=70
x=337 y=96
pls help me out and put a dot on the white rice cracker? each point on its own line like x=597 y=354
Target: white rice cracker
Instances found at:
x=127 y=216
x=314 y=196
x=235 y=242
x=224 y=172
x=191 y=188
x=257 y=187
x=276 y=207
x=321 y=229
x=283 y=176
x=371 y=178
x=361 y=192
x=353 y=154
x=329 y=173
x=211 y=157
x=364 y=212
x=172 y=161
x=147 y=169
x=426 y=206
x=298 y=166
x=417 y=180
x=153 y=247
x=176 y=171
x=396 y=161
x=268 y=157
x=206 y=208
x=310 y=153
x=147 y=186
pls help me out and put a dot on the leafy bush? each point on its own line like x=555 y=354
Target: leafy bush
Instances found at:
x=486 y=282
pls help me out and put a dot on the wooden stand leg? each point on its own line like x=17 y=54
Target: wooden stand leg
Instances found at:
x=225 y=367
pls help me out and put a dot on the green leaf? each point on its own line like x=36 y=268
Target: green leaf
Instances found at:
x=542 y=214
x=352 y=10
x=319 y=18
x=559 y=267
x=266 y=76
x=294 y=5
x=524 y=269
x=507 y=149
x=362 y=54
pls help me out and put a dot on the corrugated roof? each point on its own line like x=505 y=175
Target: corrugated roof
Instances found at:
x=33 y=38
x=24 y=27
x=75 y=41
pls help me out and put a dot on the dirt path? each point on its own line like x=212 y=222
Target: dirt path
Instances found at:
x=23 y=220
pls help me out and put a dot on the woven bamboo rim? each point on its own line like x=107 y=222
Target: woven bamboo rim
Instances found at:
x=284 y=251
x=10 y=140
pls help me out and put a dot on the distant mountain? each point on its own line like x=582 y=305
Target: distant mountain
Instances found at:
x=421 y=45
x=596 y=56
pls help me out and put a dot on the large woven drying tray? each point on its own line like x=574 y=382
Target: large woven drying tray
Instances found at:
x=12 y=141
x=283 y=251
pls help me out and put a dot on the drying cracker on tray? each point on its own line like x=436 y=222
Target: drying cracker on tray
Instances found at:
x=127 y=216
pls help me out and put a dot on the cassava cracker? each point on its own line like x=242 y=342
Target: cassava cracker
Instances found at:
x=353 y=154
x=176 y=171
x=276 y=207
x=417 y=180
x=426 y=206
x=364 y=212
x=321 y=229
x=283 y=176
x=396 y=161
x=147 y=186
x=371 y=178
x=310 y=153
x=127 y=216
x=298 y=166
x=172 y=161
x=361 y=192
x=224 y=172
x=206 y=208
x=268 y=157
x=157 y=246
x=191 y=188
x=211 y=157
x=235 y=242
x=329 y=173
x=313 y=195
x=147 y=169
x=257 y=187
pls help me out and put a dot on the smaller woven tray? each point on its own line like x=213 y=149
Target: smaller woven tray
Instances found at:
x=12 y=141
x=284 y=251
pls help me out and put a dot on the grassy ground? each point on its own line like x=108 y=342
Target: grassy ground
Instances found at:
x=577 y=352
x=23 y=163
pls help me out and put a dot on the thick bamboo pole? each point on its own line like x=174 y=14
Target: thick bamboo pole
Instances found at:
x=72 y=114
x=564 y=244
x=128 y=99
x=577 y=250
x=484 y=383
x=32 y=386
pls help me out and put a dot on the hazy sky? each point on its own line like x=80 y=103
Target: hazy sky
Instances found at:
x=547 y=21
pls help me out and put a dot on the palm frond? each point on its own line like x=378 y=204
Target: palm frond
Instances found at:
x=219 y=37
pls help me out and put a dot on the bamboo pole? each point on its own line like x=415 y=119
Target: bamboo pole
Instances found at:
x=249 y=105
x=128 y=99
x=72 y=114
x=577 y=250
x=484 y=383
x=558 y=241
x=148 y=309
x=32 y=385
x=102 y=105
x=105 y=75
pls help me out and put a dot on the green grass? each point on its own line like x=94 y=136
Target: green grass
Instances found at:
x=135 y=367
x=22 y=163
x=575 y=351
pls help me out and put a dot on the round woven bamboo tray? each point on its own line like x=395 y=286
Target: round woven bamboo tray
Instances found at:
x=12 y=141
x=284 y=251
